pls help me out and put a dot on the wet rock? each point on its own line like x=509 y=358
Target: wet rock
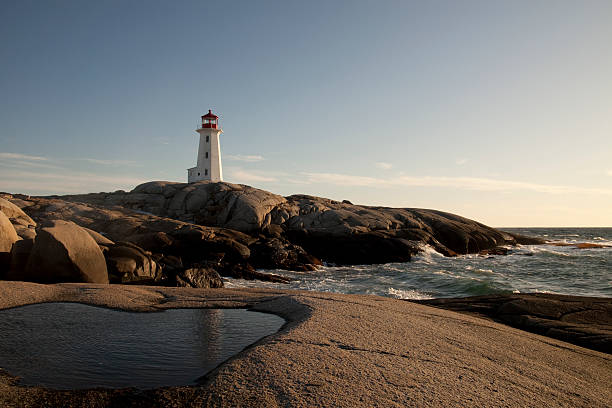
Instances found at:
x=277 y=253
x=584 y=321
x=524 y=240
x=494 y=251
x=246 y=271
x=65 y=252
x=199 y=277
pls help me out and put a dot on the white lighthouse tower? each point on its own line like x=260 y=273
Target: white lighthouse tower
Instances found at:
x=209 y=152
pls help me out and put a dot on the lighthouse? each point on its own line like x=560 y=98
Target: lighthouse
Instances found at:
x=209 y=152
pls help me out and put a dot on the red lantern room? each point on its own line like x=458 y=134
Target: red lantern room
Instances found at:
x=210 y=120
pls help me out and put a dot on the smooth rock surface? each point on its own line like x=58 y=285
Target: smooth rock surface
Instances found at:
x=584 y=321
x=8 y=235
x=65 y=252
x=14 y=213
x=343 y=351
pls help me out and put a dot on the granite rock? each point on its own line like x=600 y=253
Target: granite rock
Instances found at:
x=65 y=252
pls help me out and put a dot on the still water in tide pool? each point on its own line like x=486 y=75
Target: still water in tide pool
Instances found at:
x=527 y=268
x=75 y=346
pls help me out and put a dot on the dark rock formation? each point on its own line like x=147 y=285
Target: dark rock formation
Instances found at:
x=199 y=277
x=236 y=228
x=64 y=252
x=312 y=222
x=583 y=321
x=128 y=263
x=19 y=259
x=278 y=253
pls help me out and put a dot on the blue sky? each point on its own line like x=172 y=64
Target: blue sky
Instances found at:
x=498 y=111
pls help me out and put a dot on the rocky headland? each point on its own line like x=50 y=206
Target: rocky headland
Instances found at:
x=180 y=234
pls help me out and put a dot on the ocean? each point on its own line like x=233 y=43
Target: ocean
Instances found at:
x=551 y=268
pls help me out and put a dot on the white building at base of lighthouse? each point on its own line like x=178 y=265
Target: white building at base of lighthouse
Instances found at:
x=209 y=151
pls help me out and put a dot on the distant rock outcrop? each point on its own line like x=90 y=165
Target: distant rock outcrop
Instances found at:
x=176 y=233
x=334 y=231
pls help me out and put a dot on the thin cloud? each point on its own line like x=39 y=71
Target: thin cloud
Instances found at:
x=19 y=156
x=384 y=166
x=28 y=164
x=59 y=183
x=251 y=158
x=467 y=183
x=240 y=175
x=110 y=162
x=461 y=162
x=24 y=160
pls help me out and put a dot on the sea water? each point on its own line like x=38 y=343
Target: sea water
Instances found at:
x=526 y=268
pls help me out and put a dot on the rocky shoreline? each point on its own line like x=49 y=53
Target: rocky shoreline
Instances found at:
x=584 y=321
x=179 y=234
x=341 y=350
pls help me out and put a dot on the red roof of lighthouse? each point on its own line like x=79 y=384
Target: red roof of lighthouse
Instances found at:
x=210 y=115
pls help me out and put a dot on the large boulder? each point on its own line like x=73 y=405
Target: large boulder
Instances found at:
x=127 y=263
x=8 y=237
x=65 y=252
x=14 y=213
x=100 y=239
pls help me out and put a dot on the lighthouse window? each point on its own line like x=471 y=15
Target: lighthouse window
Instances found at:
x=207 y=139
x=206 y=172
x=207 y=155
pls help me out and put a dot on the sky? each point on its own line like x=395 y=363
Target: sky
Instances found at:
x=500 y=111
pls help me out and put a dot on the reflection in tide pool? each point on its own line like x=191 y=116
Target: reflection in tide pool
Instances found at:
x=73 y=346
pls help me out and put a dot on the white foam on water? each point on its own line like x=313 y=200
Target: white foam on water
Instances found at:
x=427 y=255
x=488 y=271
x=407 y=294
